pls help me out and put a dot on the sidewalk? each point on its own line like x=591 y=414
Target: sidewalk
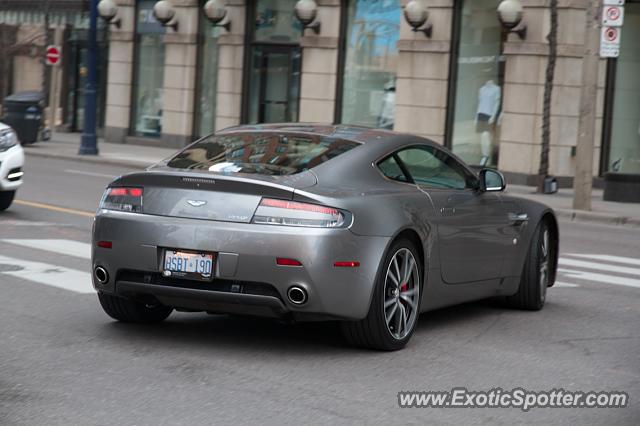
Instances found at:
x=603 y=212
x=65 y=146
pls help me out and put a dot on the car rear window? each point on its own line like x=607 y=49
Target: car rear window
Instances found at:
x=266 y=153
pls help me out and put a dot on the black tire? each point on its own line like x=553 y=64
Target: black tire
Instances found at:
x=532 y=293
x=6 y=198
x=126 y=310
x=372 y=332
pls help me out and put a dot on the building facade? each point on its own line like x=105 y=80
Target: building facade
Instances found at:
x=470 y=86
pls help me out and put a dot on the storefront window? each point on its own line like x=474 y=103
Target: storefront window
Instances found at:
x=206 y=96
x=275 y=22
x=476 y=120
x=369 y=85
x=149 y=73
x=624 y=145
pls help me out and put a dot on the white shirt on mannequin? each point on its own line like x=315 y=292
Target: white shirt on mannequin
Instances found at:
x=489 y=100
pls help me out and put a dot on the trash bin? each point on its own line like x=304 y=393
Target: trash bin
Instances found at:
x=24 y=111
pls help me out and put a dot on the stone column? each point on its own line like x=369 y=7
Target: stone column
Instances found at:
x=230 y=67
x=320 y=66
x=120 y=74
x=526 y=62
x=181 y=51
x=423 y=74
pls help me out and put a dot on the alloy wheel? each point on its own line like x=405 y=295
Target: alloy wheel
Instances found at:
x=401 y=293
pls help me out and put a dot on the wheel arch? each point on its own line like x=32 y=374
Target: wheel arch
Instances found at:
x=412 y=235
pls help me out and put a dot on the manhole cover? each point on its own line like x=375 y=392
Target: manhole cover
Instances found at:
x=5 y=267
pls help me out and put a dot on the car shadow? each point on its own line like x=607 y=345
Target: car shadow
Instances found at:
x=249 y=333
x=256 y=334
x=462 y=313
x=9 y=214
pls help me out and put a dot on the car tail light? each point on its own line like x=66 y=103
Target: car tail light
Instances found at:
x=292 y=213
x=125 y=199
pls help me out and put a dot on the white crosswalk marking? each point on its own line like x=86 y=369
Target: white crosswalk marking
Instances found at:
x=607 y=258
x=67 y=247
x=561 y=284
x=599 y=266
x=602 y=278
x=51 y=275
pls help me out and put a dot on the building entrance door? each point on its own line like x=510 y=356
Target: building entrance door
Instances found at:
x=275 y=84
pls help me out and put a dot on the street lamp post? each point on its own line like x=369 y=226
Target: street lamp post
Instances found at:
x=89 y=140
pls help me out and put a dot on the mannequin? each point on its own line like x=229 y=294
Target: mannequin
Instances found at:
x=388 y=107
x=486 y=114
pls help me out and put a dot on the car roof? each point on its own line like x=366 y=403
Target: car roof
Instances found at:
x=361 y=134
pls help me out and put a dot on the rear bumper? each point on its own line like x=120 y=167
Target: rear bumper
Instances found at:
x=246 y=277
x=205 y=300
x=11 y=160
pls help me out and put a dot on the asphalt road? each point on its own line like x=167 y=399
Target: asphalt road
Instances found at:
x=64 y=362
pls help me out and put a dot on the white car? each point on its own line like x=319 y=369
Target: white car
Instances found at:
x=11 y=163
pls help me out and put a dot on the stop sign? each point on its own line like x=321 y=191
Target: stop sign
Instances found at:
x=53 y=55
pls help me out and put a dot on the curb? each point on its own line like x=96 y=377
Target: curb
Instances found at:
x=89 y=159
x=600 y=218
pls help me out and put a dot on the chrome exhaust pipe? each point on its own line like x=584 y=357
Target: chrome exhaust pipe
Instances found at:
x=297 y=295
x=101 y=275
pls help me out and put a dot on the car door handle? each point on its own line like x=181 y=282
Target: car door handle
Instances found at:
x=518 y=218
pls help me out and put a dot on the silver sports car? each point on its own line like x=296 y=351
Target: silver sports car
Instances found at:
x=318 y=222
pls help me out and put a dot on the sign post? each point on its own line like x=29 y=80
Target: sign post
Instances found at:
x=53 y=58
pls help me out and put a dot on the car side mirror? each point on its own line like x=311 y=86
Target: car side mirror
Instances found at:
x=492 y=180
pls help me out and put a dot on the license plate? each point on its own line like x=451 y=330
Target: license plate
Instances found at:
x=187 y=264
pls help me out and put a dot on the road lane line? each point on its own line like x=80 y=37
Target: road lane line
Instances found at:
x=54 y=208
x=82 y=172
x=607 y=258
x=51 y=275
x=67 y=247
x=598 y=266
x=608 y=279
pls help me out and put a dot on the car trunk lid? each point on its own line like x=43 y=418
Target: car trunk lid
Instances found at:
x=229 y=198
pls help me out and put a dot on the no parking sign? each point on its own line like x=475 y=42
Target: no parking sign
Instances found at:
x=612 y=16
x=610 y=42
